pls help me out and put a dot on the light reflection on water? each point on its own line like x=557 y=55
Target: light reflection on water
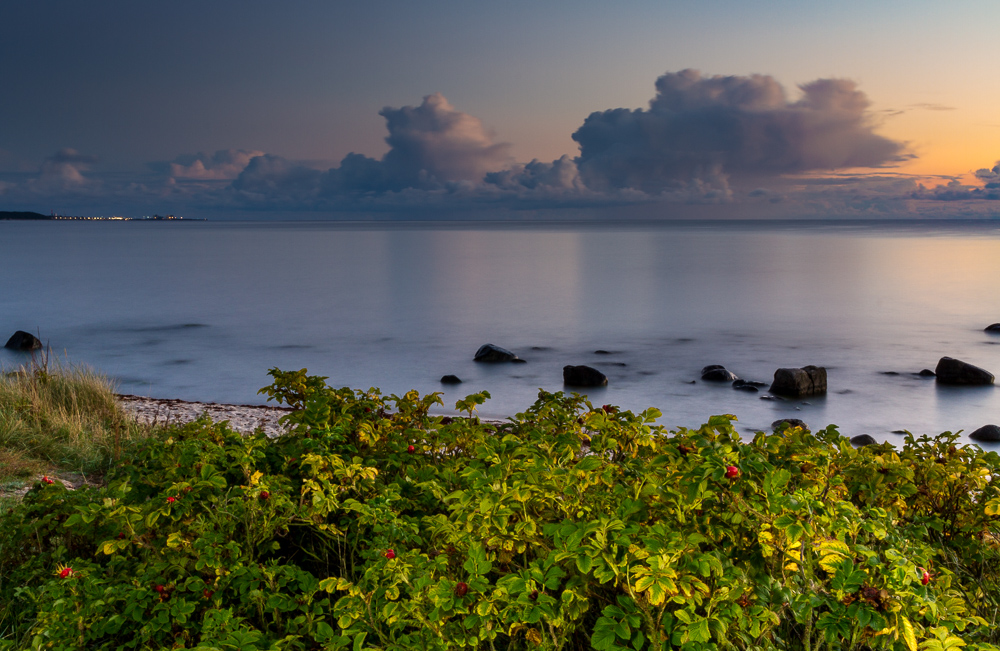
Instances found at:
x=202 y=310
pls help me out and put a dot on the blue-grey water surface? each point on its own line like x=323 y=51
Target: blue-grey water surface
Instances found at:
x=201 y=311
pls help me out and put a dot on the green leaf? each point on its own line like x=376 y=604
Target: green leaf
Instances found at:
x=584 y=563
x=699 y=632
x=909 y=636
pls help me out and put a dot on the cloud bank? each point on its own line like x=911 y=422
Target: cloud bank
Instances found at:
x=737 y=141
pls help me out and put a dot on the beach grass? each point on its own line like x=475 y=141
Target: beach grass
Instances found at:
x=60 y=419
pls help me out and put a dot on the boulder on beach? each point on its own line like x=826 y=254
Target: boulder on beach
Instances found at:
x=583 y=376
x=798 y=382
x=22 y=340
x=717 y=373
x=993 y=327
x=861 y=440
x=954 y=371
x=451 y=379
x=492 y=354
x=788 y=423
x=987 y=433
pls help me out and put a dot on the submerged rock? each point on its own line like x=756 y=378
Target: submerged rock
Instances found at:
x=583 y=376
x=451 y=379
x=798 y=382
x=743 y=385
x=717 y=373
x=927 y=373
x=22 y=340
x=861 y=440
x=955 y=371
x=993 y=327
x=492 y=354
x=988 y=433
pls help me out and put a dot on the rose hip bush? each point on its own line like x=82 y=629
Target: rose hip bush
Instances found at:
x=566 y=527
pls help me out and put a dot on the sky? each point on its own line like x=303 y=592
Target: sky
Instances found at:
x=397 y=109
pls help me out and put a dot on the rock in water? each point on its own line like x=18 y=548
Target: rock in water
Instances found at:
x=788 y=423
x=451 y=379
x=717 y=373
x=492 y=354
x=583 y=376
x=955 y=371
x=993 y=327
x=22 y=340
x=861 y=440
x=799 y=382
x=990 y=433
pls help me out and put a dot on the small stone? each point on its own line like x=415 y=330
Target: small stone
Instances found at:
x=788 y=423
x=22 y=340
x=492 y=354
x=583 y=376
x=861 y=440
x=717 y=373
x=451 y=379
x=799 y=382
x=986 y=433
x=955 y=371
x=927 y=373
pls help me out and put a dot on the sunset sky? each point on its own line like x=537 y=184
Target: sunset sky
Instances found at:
x=314 y=109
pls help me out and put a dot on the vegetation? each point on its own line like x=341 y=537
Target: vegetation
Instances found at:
x=375 y=525
x=60 y=421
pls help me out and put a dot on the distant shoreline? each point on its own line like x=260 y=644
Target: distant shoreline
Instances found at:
x=6 y=215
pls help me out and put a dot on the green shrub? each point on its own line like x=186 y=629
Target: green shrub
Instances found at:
x=375 y=525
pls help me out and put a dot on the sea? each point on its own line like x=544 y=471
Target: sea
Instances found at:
x=202 y=310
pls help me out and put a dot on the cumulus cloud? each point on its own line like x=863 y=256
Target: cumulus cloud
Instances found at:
x=273 y=179
x=430 y=146
x=225 y=164
x=64 y=169
x=699 y=127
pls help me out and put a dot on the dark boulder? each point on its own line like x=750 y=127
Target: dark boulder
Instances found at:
x=788 y=423
x=993 y=327
x=22 y=340
x=955 y=371
x=451 y=379
x=493 y=354
x=583 y=376
x=861 y=440
x=927 y=373
x=798 y=382
x=987 y=433
x=717 y=373
x=743 y=385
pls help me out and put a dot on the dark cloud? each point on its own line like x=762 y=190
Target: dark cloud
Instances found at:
x=274 y=180
x=700 y=127
x=955 y=190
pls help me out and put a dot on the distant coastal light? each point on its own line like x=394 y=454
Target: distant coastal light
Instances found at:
x=53 y=216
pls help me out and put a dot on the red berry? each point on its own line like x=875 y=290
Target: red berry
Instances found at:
x=390 y=554
x=121 y=536
x=610 y=409
x=732 y=472
x=207 y=593
x=46 y=479
x=171 y=500
x=411 y=449
x=461 y=589
x=65 y=572
x=925 y=578
x=159 y=588
x=264 y=495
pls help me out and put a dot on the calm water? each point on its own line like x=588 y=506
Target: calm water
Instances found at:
x=202 y=311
